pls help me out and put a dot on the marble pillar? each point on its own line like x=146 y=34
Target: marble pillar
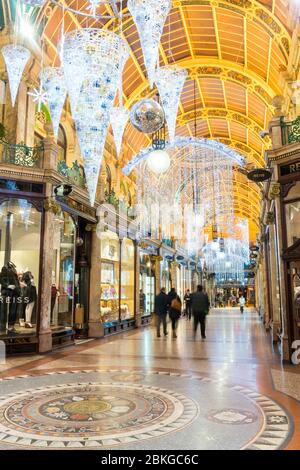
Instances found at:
x=285 y=350
x=157 y=272
x=45 y=333
x=96 y=329
x=138 y=320
x=274 y=288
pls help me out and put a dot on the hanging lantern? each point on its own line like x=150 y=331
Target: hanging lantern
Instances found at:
x=169 y=81
x=147 y=116
x=158 y=161
x=93 y=60
x=149 y=17
x=118 y=119
x=54 y=86
x=15 y=58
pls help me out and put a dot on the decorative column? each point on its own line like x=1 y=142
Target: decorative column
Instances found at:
x=51 y=209
x=138 y=320
x=96 y=329
x=274 y=193
x=274 y=125
x=156 y=259
x=285 y=350
x=174 y=274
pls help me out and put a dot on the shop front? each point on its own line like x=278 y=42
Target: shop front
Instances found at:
x=117 y=282
x=21 y=238
x=290 y=211
x=147 y=286
x=69 y=310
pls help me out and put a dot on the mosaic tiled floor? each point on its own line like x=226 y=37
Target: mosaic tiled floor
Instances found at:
x=136 y=410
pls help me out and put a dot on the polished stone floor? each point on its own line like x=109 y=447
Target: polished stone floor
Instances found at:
x=136 y=391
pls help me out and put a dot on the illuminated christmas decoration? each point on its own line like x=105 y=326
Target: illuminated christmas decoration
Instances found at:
x=93 y=62
x=15 y=58
x=149 y=17
x=39 y=96
x=158 y=161
x=169 y=81
x=34 y=3
x=118 y=119
x=53 y=82
x=93 y=6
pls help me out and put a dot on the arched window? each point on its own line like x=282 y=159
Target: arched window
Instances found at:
x=108 y=179
x=62 y=144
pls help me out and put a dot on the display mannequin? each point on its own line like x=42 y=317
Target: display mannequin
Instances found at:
x=54 y=294
x=10 y=291
x=29 y=293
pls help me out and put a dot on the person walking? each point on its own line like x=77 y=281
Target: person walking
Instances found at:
x=187 y=299
x=175 y=305
x=200 y=308
x=161 y=310
x=242 y=302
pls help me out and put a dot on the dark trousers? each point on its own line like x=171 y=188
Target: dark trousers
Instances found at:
x=188 y=310
x=199 y=317
x=242 y=309
x=161 y=319
x=174 y=322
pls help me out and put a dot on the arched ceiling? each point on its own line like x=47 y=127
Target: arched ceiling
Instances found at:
x=233 y=49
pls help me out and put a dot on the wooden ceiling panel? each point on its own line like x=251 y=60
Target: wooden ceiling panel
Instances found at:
x=238 y=132
x=230 y=35
x=235 y=97
x=212 y=92
x=256 y=109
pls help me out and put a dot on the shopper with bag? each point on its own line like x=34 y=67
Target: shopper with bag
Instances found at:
x=175 y=306
x=200 y=308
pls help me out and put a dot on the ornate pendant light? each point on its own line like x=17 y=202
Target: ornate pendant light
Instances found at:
x=118 y=119
x=149 y=17
x=15 y=57
x=97 y=56
x=169 y=81
x=55 y=88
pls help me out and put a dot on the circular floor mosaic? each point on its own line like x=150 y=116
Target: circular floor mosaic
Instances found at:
x=127 y=409
x=92 y=414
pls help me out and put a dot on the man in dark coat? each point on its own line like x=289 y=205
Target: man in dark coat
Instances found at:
x=200 y=308
x=161 y=310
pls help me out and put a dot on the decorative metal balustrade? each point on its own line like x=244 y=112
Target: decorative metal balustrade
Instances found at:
x=21 y=154
x=290 y=131
x=74 y=174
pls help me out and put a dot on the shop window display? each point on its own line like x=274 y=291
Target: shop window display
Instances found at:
x=20 y=233
x=62 y=287
x=110 y=267
x=147 y=285
x=292 y=211
x=165 y=274
x=127 y=279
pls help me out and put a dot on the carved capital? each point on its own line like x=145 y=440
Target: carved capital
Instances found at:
x=270 y=218
x=50 y=205
x=91 y=227
x=274 y=191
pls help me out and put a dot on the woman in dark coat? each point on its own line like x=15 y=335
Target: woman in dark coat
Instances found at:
x=174 y=304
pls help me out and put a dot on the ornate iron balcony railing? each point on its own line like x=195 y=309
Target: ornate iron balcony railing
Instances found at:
x=290 y=131
x=21 y=154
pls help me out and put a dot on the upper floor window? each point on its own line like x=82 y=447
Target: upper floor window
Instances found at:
x=62 y=144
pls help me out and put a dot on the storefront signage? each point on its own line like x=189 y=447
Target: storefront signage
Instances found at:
x=259 y=175
x=78 y=206
x=290 y=169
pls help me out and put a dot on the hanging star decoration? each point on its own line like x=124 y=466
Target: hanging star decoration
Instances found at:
x=94 y=4
x=39 y=96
